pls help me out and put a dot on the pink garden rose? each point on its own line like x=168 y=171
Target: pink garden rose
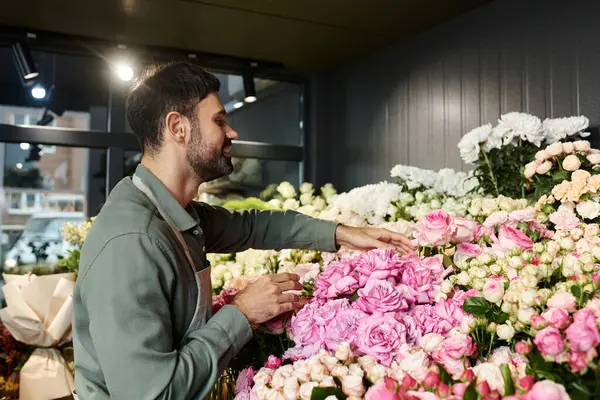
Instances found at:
x=547 y=390
x=429 y=321
x=467 y=230
x=525 y=215
x=380 y=296
x=413 y=328
x=583 y=333
x=435 y=229
x=509 y=238
x=436 y=265
x=465 y=251
x=245 y=380
x=565 y=219
x=594 y=305
x=495 y=219
x=578 y=361
x=342 y=329
x=562 y=299
x=380 y=337
x=327 y=311
x=307 y=272
x=456 y=347
x=273 y=362
x=385 y=390
x=303 y=328
x=549 y=341
x=379 y=264
x=557 y=317
x=460 y=296
x=338 y=278
x=419 y=279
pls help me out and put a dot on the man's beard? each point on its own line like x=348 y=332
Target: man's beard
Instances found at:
x=207 y=163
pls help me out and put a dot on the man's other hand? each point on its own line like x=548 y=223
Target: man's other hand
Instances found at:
x=372 y=238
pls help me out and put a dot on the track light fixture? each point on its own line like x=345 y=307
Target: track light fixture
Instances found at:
x=249 y=89
x=24 y=62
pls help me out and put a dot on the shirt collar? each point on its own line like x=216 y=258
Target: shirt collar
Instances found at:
x=182 y=218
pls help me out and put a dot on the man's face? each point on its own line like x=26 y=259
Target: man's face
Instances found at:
x=207 y=150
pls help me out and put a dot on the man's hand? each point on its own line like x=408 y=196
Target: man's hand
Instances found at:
x=264 y=299
x=372 y=238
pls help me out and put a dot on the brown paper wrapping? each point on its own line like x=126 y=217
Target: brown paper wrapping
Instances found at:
x=39 y=313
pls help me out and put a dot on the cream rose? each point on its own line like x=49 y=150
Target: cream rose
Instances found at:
x=544 y=167
x=588 y=209
x=571 y=163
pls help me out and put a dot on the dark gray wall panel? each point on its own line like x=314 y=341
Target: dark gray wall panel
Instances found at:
x=412 y=102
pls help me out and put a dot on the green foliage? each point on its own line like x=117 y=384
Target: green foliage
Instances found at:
x=248 y=204
x=480 y=307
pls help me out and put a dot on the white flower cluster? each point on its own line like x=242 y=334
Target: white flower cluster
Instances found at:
x=307 y=203
x=75 y=234
x=250 y=262
x=445 y=181
x=523 y=126
x=366 y=205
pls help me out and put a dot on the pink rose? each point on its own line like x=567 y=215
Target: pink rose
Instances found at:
x=273 y=362
x=509 y=238
x=245 y=380
x=460 y=296
x=526 y=215
x=385 y=390
x=557 y=317
x=594 y=306
x=522 y=347
x=562 y=299
x=303 y=328
x=456 y=347
x=327 y=311
x=342 y=329
x=378 y=264
x=435 y=229
x=429 y=321
x=465 y=251
x=578 y=361
x=549 y=341
x=450 y=311
x=419 y=279
x=380 y=296
x=380 y=337
x=467 y=230
x=413 y=328
x=547 y=390
x=307 y=272
x=564 y=219
x=583 y=333
x=495 y=219
x=436 y=265
x=337 y=278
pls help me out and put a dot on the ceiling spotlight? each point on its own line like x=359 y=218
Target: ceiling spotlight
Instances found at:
x=124 y=71
x=19 y=165
x=249 y=90
x=38 y=91
x=25 y=146
x=238 y=104
x=24 y=62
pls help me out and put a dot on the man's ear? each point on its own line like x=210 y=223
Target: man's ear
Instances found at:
x=176 y=126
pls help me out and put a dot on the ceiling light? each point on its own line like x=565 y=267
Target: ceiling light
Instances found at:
x=124 y=71
x=38 y=92
x=238 y=104
x=24 y=62
x=19 y=165
x=249 y=90
x=25 y=146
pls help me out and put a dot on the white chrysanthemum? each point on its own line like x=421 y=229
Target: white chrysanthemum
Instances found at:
x=520 y=125
x=307 y=187
x=286 y=190
x=414 y=177
x=470 y=142
x=557 y=129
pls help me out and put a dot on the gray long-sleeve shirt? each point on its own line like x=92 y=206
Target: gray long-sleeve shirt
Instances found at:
x=136 y=294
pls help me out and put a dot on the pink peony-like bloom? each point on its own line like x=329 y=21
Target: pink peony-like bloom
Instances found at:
x=435 y=229
x=562 y=299
x=380 y=264
x=380 y=296
x=522 y=347
x=557 y=317
x=467 y=230
x=525 y=215
x=456 y=347
x=303 y=329
x=495 y=219
x=578 y=361
x=510 y=238
x=342 y=328
x=429 y=321
x=549 y=341
x=413 y=328
x=594 y=306
x=338 y=278
x=245 y=380
x=547 y=390
x=380 y=337
x=273 y=362
x=385 y=390
x=583 y=333
x=327 y=311
x=465 y=251
x=419 y=279
x=565 y=219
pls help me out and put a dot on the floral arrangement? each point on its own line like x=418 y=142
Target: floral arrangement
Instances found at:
x=500 y=151
x=75 y=235
x=445 y=182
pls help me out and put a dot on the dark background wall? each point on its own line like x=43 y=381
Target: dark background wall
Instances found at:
x=412 y=103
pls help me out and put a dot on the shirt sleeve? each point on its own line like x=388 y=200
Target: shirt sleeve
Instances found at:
x=126 y=293
x=231 y=231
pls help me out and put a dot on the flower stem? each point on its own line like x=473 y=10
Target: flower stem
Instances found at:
x=491 y=173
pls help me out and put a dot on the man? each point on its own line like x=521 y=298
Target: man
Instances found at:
x=143 y=326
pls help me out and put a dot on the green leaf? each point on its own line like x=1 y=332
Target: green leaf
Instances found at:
x=445 y=377
x=321 y=393
x=337 y=381
x=354 y=297
x=496 y=316
x=509 y=385
x=470 y=392
x=576 y=290
x=506 y=285
x=578 y=391
x=447 y=261
x=477 y=306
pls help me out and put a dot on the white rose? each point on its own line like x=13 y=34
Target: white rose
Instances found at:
x=291 y=204
x=491 y=374
x=544 y=167
x=538 y=248
x=306 y=390
x=430 y=342
x=352 y=385
x=524 y=315
x=528 y=297
x=478 y=283
x=505 y=331
x=588 y=209
x=319 y=203
x=286 y=190
x=488 y=206
x=436 y=204
x=477 y=272
x=291 y=388
x=493 y=290
x=307 y=187
x=516 y=262
x=306 y=199
x=571 y=163
x=446 y=287
x=275 y=203
x=546 y=258
x=355 y=370
x=340 y=371
x=567 y=244
x=343 y=352
x=463 y=278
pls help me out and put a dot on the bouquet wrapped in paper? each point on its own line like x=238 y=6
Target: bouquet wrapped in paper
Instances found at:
x=39 y=313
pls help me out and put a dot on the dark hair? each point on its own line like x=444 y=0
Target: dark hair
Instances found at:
x=163 y=88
